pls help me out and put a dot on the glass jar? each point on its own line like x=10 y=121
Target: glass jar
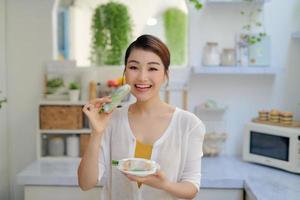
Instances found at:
x=56 y=146
x=211 y=55
x=228 y=57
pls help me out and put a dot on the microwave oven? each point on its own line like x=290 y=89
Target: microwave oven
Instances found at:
x=273 y=146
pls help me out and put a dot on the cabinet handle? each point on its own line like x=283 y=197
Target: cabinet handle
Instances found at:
x=3 y=101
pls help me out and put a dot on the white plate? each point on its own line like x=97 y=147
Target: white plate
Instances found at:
x=138 y=166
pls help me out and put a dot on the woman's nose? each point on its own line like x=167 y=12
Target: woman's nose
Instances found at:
x=142 y=75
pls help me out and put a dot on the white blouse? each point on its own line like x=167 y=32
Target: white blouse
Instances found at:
x=178 y=152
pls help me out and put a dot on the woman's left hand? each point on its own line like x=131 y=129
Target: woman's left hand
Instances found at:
x=157 y=180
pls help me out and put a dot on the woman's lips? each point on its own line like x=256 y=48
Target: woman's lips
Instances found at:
x=142 y=87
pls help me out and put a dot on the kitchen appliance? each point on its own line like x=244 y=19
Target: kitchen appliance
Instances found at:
x=273 y=146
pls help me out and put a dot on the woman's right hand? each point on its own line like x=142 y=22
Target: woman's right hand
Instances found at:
x=98 y=120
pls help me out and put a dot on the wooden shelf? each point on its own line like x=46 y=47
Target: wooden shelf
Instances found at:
x=65 y=131
x=219 y=110
x=56 y=158
x=235 y=70
x=236 y=1
x=68 y=103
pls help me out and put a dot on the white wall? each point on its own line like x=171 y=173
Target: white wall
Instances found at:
x=4 y=184
x=246 y=94
x=29 y=46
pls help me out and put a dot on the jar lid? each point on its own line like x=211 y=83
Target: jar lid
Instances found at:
x=228 y=49
x=56 y=138
x=211 y=43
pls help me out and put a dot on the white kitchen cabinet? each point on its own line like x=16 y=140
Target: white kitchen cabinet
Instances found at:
x=60 y=193
x=220 y=194
x=74 y=193
x=249 y=196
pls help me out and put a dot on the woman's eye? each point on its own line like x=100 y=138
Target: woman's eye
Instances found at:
x=153 y=69
x=133 y=67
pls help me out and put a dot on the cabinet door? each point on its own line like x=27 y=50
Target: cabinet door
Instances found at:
x=60 y=193
x=220 y=194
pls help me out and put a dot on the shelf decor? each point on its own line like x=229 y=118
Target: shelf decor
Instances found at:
x=259 y=53
x=253 y=44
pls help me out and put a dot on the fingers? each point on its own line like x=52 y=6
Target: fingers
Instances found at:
x=158 y=173
x=136 y=178
x=100 y=101
x=86 y=108
x=95 y=103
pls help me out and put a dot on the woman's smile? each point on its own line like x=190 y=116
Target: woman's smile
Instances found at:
x=142 y=87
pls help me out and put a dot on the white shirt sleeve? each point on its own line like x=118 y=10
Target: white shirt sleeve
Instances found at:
x=104 y=156
x=192 y=168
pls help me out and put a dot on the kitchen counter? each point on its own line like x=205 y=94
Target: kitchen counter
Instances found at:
x=260 y=182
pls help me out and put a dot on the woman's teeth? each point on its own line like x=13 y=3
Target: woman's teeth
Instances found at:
x=142 y=86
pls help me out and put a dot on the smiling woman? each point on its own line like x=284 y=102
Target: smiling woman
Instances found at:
x=150 y=129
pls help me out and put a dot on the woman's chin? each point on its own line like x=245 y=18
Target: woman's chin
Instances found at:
x=141 y=98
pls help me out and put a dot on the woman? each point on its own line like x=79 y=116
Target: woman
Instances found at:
x=148 y=128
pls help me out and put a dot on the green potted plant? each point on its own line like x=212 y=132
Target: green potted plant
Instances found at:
x=252 y=24
x=175 y=23
x=54 y=84
x=111 y=33
x=197 y=4
x=74 y=91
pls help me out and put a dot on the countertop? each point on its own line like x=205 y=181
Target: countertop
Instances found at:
x=260 y=182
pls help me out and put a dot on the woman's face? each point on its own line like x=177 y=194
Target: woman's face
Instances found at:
x=145 y=73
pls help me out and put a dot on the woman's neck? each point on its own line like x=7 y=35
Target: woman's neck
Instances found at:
x=149 y=107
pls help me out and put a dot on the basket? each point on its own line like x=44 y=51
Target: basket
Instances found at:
x=61 y=117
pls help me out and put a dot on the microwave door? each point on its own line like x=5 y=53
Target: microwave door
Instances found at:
x=271 y=146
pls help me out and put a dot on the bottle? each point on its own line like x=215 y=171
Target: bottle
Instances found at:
x=116 y=98
x=92 y=90
x=44 y=145
x=242 y=50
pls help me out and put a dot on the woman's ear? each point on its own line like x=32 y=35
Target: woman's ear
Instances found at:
x=166 y=78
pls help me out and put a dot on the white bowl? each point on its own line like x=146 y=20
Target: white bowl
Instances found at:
x=138 y=166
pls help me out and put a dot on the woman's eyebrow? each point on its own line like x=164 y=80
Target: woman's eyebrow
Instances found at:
x=133 y=61
x=153 y=63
